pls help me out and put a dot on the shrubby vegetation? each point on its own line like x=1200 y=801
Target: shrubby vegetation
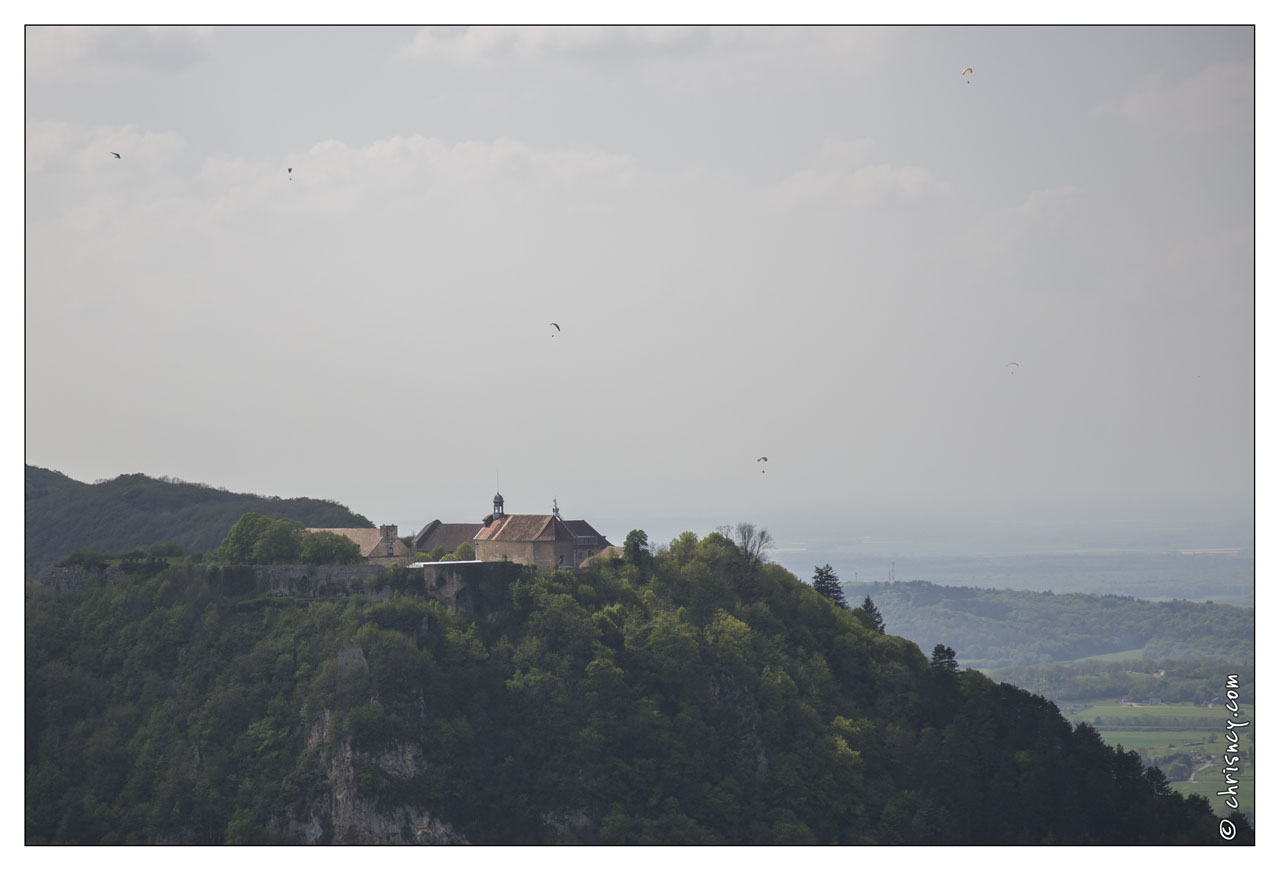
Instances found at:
x=696 y=694
x=997 y=628
x=134 y=511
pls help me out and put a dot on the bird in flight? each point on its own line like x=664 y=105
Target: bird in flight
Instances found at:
x=116 y=154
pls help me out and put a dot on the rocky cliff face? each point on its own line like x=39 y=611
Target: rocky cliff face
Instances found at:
x=345 y=813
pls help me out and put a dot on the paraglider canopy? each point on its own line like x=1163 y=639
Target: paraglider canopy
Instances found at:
x=967 y=71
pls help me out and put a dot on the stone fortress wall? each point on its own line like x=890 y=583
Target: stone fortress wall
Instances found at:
x=482 y=589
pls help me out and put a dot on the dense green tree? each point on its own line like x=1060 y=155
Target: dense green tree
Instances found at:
x=873 y=612
x=237 y=548
x=827 y=583
x=328 y=548
x=943 y=659
x=635 y=549
x=279 y=542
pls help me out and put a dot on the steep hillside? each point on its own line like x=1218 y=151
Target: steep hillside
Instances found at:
x=995 y=628
x=693 y=696
x=137 y=511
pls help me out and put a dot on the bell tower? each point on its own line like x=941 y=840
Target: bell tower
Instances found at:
x=497 y=505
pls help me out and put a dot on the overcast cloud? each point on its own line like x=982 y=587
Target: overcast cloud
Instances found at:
x=819 y=245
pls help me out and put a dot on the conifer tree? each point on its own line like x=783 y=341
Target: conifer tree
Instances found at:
x=826 y=583
x=944 y=659
x=870 y=607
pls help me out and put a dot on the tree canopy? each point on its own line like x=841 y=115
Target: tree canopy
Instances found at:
x=259 y=540
x=712 y=698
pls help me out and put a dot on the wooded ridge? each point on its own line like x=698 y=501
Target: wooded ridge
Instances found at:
x=692 y=695
x=133 y=511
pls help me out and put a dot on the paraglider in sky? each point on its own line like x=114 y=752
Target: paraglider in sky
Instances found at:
x=291 y=173
x=762 y=460
x=1007 y=365
x=967 y=71
x=557 y=326
x=116 y=154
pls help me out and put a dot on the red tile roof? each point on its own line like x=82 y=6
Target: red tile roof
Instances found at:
x=447 y=535
x=525 y=527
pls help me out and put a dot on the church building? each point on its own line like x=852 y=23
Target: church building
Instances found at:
x=542 y=540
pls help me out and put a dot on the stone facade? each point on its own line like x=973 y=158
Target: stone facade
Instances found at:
x=541 y=540
x=379 y=547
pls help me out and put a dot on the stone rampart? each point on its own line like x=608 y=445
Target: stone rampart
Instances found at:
x=481 y=589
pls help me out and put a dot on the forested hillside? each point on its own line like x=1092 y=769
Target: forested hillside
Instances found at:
x=698 y=695
x=137 y=511
x=996 y=628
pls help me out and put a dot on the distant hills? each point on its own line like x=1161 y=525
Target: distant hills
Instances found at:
x=994 y=628
x=130 y=511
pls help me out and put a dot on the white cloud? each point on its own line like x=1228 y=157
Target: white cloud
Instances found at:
x=770 y=51
x=87 y=149
x=51 y=49
x=45 y=140
x=553 y=41
x=843 y=172
x=411 y=161
x=1218 y=96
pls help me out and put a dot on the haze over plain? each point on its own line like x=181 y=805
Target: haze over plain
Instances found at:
x=823 y=245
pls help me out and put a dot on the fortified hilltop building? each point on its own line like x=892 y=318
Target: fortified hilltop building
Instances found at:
x=545 y=541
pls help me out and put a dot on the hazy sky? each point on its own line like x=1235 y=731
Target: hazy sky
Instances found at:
x=819 y=245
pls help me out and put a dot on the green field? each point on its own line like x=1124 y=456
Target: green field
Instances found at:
x=1122 y=656
x=1181 y=725
x=1209 y=782
x=1170 y=713
x=1160 y=740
